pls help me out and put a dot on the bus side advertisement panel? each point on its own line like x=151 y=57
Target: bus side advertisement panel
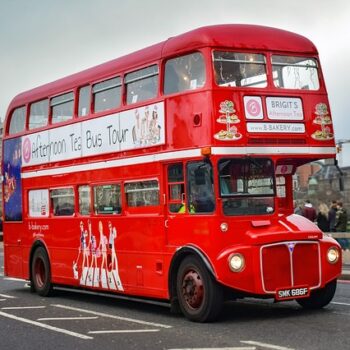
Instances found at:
x=12 y=165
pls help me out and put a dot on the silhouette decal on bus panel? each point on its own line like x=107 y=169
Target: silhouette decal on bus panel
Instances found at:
x=96 y=264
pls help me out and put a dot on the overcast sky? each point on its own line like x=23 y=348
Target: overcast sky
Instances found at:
x=43 y=40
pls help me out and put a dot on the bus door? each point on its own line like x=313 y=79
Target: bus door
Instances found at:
x=190 y=195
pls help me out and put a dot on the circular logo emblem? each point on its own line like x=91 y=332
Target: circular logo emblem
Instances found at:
x=26 y=150
x=253 y=108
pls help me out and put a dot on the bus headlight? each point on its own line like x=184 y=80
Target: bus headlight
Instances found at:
x=224 y=227
x=236 y=262
x=333 y=255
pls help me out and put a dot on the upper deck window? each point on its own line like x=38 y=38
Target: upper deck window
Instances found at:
x=62 y=107
x=184 y=73
x=142 y=84
x=18 y=121
x=107 y=94
x=39 y=114
x=239 y=69
x=291 y=72
x=84 y=101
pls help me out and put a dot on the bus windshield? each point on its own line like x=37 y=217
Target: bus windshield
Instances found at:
x=291 y=72
x=247 y=186
x=239 y=69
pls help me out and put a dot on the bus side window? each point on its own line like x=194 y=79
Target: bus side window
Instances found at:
x=84 y=200
x=142 y=84
x=62 y=201
x=142 y=193
x=62 y=107
x=184 y=73
x=176 y=188
x=18 y=121
x=84 y=101
x=107 y=94
x=107 y=199
x=39 y=116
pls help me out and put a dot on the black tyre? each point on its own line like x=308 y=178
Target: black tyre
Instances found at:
x=41 y=273
x=319 y=298
x=200 y=297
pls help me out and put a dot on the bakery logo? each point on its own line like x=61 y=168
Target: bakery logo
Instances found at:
x=26 y=149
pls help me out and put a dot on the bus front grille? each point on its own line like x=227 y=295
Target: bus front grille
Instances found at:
x=290 y=264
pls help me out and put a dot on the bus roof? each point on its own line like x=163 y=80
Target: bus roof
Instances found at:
x=235 y=36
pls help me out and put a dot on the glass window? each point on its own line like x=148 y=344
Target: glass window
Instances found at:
x=84 y=200
x=201 y=197
x=107 y=94
x=184 y=73
x=38 y=116
x=247 y=186
x=239 y=69
x=176 y=188
x=84 y=101
x=62 y=201
x=38 y=203
x=18 y=121
x=291 y=72
x=107 y=199
x=142 y=84
x=62 y=107
x=142 y=193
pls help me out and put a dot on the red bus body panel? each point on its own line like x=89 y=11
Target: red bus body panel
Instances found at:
x=280 y=249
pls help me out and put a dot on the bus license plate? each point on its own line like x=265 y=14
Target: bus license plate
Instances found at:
x=292 y=293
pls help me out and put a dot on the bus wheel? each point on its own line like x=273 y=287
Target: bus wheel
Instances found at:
x=319 y=298
x=200 y=297
x=40 y=272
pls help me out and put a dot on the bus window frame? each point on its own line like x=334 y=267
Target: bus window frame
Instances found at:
x=318 y=68
x=92 y=95
x=94 y=212
x=48 y=123
x=7 y=131
x=51 y=123
x=51 y=206
x=207 y=71
x=266 y=55
x=125 y=83
x=144 y=209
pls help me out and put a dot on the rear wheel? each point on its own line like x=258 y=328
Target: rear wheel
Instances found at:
x=41 y=273
x=200 y=297
x=319 y=298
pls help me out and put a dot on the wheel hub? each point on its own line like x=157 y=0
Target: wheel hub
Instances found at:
x=192 y=289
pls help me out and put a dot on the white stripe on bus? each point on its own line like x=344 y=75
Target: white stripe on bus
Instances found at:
x=177 y=155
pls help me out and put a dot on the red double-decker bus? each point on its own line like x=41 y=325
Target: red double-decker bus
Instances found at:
x=167 y=174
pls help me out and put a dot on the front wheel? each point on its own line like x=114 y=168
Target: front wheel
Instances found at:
x=200 y=297
x=41 y=273
x=319 y=298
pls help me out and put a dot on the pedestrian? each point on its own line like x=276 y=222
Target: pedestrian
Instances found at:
x=322 y=218
x=341 y=220
x=309 y=211
x=332 y=215
x=298 y=208
x=340 y=225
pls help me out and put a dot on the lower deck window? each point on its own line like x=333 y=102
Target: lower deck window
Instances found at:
x=142 y=193
x=62 y=201
x=107 y=199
